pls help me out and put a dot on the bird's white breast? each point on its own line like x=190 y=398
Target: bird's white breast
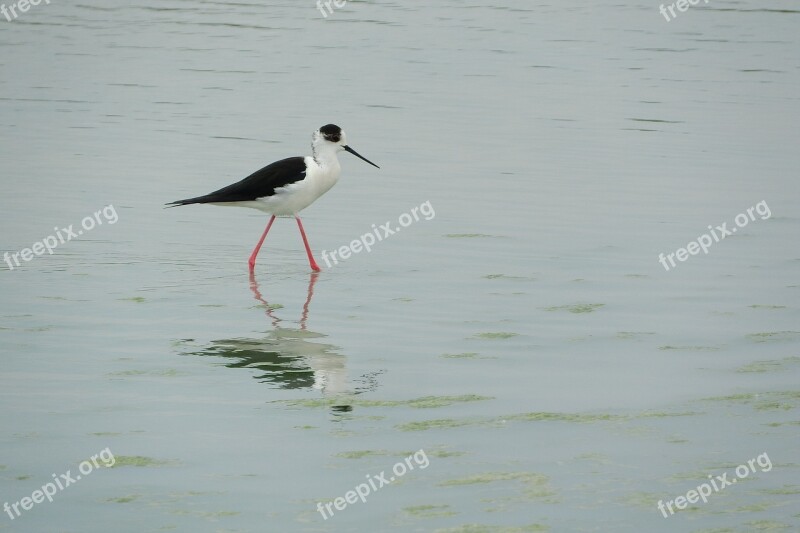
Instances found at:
x=295 y=197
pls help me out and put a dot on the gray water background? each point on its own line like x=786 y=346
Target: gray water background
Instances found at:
x=526 y=337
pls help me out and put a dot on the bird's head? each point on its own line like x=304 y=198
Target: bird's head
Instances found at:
x=331 y=137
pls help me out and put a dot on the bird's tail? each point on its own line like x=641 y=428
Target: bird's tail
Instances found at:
x=198 y=200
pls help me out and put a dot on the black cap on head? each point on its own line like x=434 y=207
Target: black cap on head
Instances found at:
x=331 y=132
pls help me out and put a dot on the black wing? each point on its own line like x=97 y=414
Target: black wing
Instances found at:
x=259 y=184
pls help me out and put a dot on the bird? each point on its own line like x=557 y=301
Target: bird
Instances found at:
x=286 y=187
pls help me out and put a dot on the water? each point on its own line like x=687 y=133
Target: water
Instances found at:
x=526 y=338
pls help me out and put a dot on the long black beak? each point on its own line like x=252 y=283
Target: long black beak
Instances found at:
x=348 y=149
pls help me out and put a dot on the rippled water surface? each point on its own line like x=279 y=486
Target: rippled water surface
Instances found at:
x=522 y=338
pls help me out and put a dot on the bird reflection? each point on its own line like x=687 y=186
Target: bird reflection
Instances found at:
x=290 y=358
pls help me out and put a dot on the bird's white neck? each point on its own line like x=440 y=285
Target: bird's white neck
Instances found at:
x=325 y=154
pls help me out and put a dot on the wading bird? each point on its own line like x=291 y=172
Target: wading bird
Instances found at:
x=288 y=186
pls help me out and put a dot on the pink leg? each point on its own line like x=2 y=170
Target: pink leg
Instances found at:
x=257 y=294
x=252 y=261
x=311 y=282
x=311 y=261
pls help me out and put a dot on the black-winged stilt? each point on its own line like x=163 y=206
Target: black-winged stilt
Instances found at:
x=288 y=186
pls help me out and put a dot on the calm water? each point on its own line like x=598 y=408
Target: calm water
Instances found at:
x=526 y=338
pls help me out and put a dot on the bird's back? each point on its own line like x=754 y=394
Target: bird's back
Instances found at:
x=260 y=184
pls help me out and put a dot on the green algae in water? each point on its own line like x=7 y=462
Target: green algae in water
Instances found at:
x=697 y=475
x=758 y=306
x=442 y=423
x=480 y=528
x=467 y=235
x=765 y=401
x=541 y=416
x=465 y=355
x=773 y=336
x=429 y=511
x=361 y=454
x=537 y=486
x=786 y=490
x=137 y=460
x=218 y=514
x=495 y=335
x=124 y=499
x=135 y=299
x=167 y=373
x=443 y=454
x=690 y=348
x=755 y=507
x=576 y=308
x=769 y=365
x=563 y=417
x=595 y=457
x=779 y=424
x=663 y=414
x=767 y=525
x=774 y=406
x=505 y=276
x=642 y=499
x=491 y=477
x=426 y=402
x=677 y=440
x=632 y=334
x=271 y=307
